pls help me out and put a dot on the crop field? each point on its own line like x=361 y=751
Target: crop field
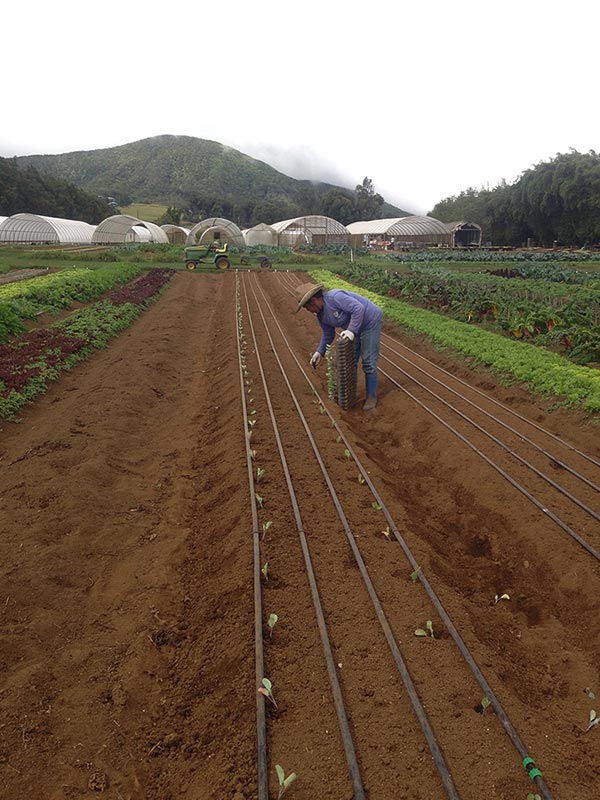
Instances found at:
x=218 y=585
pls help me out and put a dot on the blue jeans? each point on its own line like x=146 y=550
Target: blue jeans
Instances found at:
x=367 y=348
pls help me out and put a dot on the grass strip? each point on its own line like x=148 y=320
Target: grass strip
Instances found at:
x=543 y=372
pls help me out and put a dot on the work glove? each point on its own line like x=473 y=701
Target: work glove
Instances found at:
x=315 y=360
x=347 y=336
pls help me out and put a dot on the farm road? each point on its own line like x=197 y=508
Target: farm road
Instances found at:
x=127 y=661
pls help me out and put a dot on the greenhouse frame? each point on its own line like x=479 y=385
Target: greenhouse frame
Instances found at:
x=176 y=234
x=215 y=229
x=118 y=230
x=312 y=229
x=37 y=229
x=413 y=231
x=260 y=234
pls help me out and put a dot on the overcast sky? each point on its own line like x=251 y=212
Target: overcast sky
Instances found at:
x=426 y=98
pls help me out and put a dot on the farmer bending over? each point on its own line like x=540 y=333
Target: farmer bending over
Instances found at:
x=361 y=320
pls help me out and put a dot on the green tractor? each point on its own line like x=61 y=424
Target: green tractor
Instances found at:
x=197 y=254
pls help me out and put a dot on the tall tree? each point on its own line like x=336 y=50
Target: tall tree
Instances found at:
x=368 y=202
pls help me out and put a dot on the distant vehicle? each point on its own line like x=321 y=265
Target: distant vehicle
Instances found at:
x=196 y=254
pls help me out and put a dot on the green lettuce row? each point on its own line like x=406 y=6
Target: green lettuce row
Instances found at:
x=25 y=299
x=544 y=372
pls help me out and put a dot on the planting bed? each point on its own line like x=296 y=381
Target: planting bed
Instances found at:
x=132 y=540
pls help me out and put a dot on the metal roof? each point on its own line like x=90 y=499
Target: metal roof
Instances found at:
x=115 y=229
x=36 y=228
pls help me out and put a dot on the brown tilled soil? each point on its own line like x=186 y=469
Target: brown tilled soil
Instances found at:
x=126 y=590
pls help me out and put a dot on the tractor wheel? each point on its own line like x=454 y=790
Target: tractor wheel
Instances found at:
x=265 y=263
x=190 y=264
x=222 y=262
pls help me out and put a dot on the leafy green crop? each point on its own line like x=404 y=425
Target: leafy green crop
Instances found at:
x=544 y=372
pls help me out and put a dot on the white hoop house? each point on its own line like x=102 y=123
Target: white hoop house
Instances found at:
x=176 y=234
x=313 y=228
x=35 y=229
x=215 y=229
x=414 y=230
x=260 y=234
x=117 y=230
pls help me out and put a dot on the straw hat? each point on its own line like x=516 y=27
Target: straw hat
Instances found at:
x=304 y=292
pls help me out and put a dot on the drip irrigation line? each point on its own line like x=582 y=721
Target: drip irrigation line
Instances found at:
x=566 y=528
x=521 y=436
x=418 y=708
x=261 y=730
x=512 y=481
x=497 y=441
x=502 y=406
x=351 y=759
x=444 y=616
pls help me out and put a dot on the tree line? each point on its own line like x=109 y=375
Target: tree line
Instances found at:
x=344 y=205
x=556 y=202
x=28 y=191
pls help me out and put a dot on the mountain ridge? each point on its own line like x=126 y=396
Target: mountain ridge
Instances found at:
x=191 y=173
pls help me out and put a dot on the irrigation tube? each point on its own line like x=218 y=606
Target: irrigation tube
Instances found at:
x=505 y=447
x=351 y=759
x=491 y=416
x=566 y=528
x=490 y=399
x=421 y=715
x=261 y=733
x=534 y=773
x=504 y=407
x=512 y=481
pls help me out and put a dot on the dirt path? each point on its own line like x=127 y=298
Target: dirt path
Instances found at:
x=127 y=660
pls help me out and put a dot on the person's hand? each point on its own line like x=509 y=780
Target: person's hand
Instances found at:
x=315 y=360
x=347 y=336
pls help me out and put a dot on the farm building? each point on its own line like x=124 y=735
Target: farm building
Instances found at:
x=215 y=229
x=118 y=229
x=176 y=234
x=313 y=229
x=413 y=232
x=464 y=233
x=260 y=234
x=35 y=229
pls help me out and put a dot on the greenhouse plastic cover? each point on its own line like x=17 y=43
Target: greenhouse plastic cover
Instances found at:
x=38 y=229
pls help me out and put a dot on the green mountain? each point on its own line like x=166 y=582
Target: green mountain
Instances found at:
x=200 y=176
x=27 y=191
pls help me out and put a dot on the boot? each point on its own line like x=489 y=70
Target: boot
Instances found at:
x=371 y=399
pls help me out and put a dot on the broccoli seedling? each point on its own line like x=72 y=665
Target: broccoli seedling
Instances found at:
x=284 y=783
x=428 y=632
x=376 y=505
x=361 y=478
x=497 y=598
x=259 y=474
x=415 y=574
x=483 y=706
x=271 y=623
x=265 y=570
x=265 y=528
x=267 y=690
x=594 y=720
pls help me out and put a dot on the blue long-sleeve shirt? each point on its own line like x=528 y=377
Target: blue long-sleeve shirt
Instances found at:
x=348 y=310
